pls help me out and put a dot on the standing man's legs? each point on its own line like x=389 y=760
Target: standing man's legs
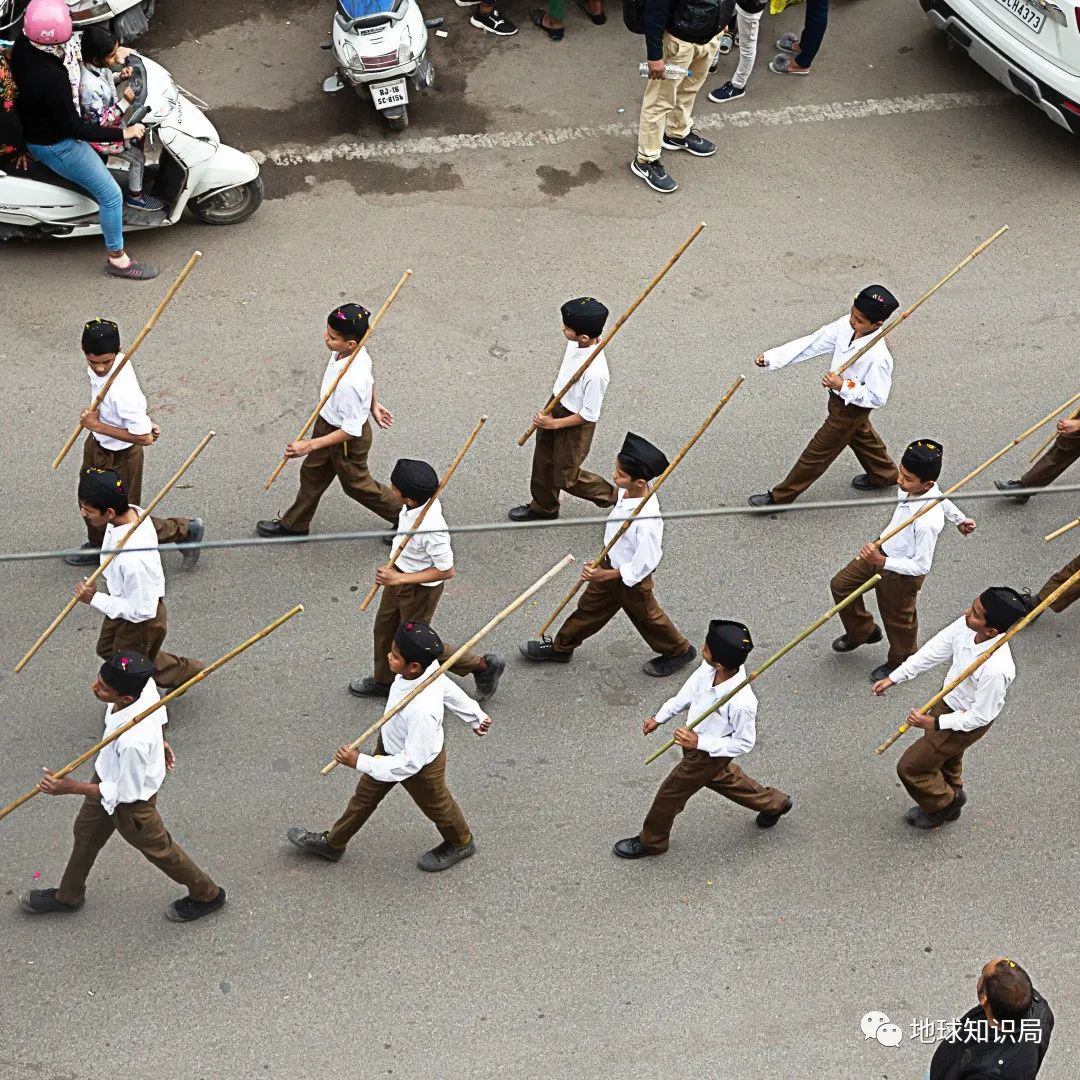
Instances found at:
x=817 y=20
x=680 y=120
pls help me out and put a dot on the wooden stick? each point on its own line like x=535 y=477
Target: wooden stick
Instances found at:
x=341 y=374
x=171 y=696
x=406 y=537
x=100 y=569
x=126 y=356
x=1050 y=438
x=1062 y=531
x=605 y=340
x=641 y=505
x=922 y=300
x=816 y=625
x=453 y=659
x=1016 y=627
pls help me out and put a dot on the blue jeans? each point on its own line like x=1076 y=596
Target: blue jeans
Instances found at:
x=817 y=18
x=79 y=162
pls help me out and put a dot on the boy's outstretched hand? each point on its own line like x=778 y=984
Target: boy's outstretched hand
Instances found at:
x=649 y=726
x=483 y=727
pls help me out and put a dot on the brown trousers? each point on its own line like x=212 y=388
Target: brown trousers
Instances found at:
x=698 y=770
x=1063 y=575
x=141 y=826
x=896 y=597
x=931 y=767
x=128 y=465
x=411 y=603
x=148 y=637
x=427 y=789
x=598 y=605
x=556 y=466
x=1062 y=453
x=846 y=425
x=348 y=462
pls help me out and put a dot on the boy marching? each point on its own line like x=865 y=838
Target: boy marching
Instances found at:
x=1064 y=451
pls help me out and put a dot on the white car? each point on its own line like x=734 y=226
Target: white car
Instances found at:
x=1032 y=47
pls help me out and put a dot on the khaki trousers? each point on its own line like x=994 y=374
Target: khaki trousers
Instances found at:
x=698 y=770
x=1064 y=450
x=896 y=597
x=931 y=767
x=668 y=103
x=428 y=790
x=846 y=425
x=141 y=826
x=147 y=638
x=128 y=465
x=598 y=605
x=411 y=603
x=1063 y=575
x=556 y=466
x=348 y=462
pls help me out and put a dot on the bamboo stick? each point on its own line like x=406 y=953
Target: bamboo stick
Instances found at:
x=1002 y=639
x=401 y=544
x=815 y=625
x=453 y=659
x=126 y=356
x=1049 y=439
x=606 y=339
x=376 y=318
x=100 y=568
x=641 y=505
x=171 y=696
x=922 y=300
x=1062 y=531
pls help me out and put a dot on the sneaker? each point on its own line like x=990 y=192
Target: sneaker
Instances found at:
x=544 y=650
x=1001 y=485
x=84 y=560
x=134 y=271
x=44 y=902
x=654 y=174
x=494 y=23
x=445 y=856
x=659 y=667
x=314 y=843
x=195 y=532
x=487 y=681
x=144 y=202
x=728 y=92
x=368 y=687
x=692 y=142
x=188 y=910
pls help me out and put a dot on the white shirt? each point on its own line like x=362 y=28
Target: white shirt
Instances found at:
x=980 y=697
x=911 y=551
x=133 y=767
x=124 y=406
x=728 y=732
x=413 y=737
x=586 y=395
x=638 y=552
x=866 y=383
x=350 y=403
x=426 y=549
x=136 y=581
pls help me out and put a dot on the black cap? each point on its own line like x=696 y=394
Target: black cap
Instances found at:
x=349 y=320
x=418 y=643
x=923 y=458
x=639 y=459
x=414 y=479
x=103 y=490
x=127 y=672
x=876 y=303
x=1004 y=606
x=585 y=316
x=100 y=336
x=729 y=643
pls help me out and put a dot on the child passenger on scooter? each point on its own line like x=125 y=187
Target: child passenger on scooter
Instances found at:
x=100 y=104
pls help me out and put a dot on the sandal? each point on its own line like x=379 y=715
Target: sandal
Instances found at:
x=134 y=271
x=556 y=33
x=598 y=19
x=726 y=41
x=784 y=64
x=788 y=43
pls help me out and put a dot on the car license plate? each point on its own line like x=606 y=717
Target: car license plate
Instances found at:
x=1030 y=16
x=389 y=95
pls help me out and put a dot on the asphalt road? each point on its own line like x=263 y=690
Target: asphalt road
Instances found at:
x=739 y=952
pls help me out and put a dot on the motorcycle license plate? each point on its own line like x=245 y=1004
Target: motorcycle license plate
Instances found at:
x=389 y=95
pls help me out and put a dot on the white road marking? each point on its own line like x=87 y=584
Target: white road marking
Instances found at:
x=512 y=140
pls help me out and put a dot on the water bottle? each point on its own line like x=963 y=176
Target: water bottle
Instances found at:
x=671 y=71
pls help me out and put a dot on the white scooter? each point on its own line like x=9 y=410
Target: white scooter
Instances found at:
x=220 y=185
x=380 y=46
x=128 y=19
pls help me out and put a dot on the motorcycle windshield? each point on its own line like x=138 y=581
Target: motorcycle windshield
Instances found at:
x=357 y=9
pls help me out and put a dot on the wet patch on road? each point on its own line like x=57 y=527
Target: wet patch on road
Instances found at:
x=560 y=181
x=365 y=177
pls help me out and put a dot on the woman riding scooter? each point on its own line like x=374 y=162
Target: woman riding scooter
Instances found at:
x=46 y=73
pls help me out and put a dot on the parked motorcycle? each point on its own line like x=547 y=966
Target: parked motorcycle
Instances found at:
x=128 y=19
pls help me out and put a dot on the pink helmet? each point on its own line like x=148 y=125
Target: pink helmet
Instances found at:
x=47 y=22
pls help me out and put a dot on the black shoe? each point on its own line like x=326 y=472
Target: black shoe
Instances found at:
x=445 y=856
x=632 y=848
x=920 y=820
x=555 y=33
x=275 y=528
x=487 y=681
x=494 y=23
x=84 y=560
x=187 y=910
x=1012 y=485
x=655 y=175
x=196 y=530
x=691 y=142
x=762 y=500
x=314 y=843
x=845 y=644
x=881 y=672
x=767 y=821
x=862 y=482
x=660 y=667
x=1031 y=602
x=368 y=687
x=527 y=513
x=544 y=649
x=44 y=902
x=728 y=92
